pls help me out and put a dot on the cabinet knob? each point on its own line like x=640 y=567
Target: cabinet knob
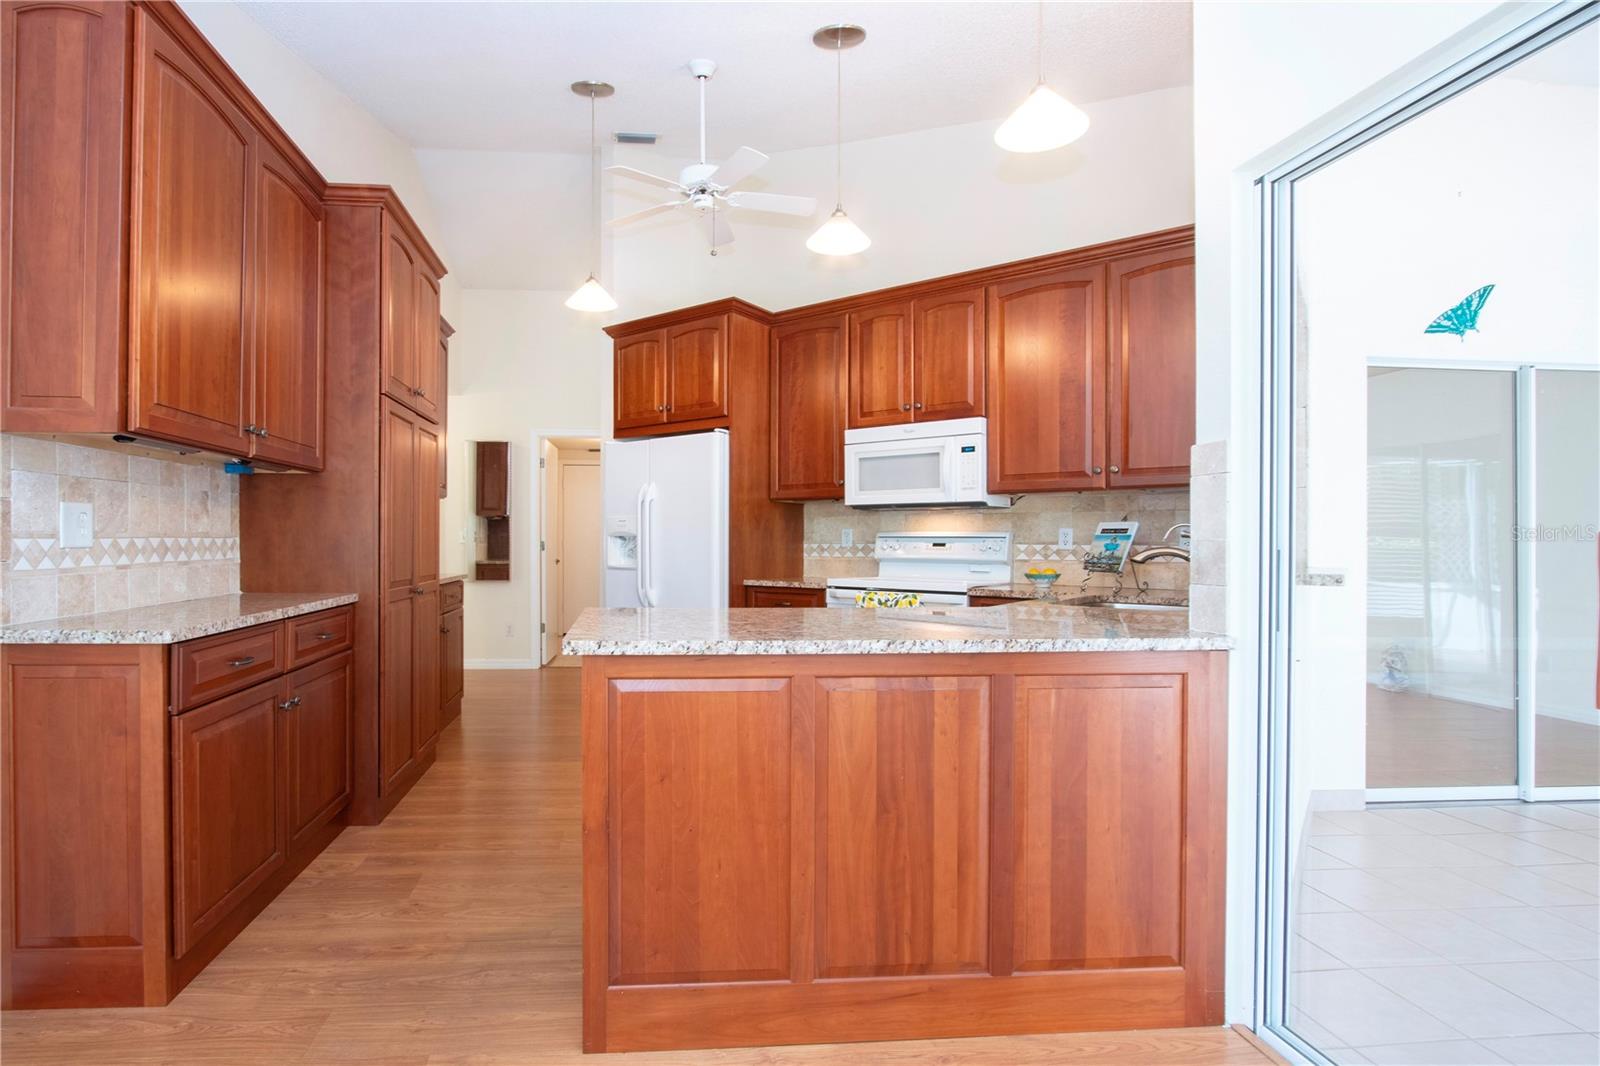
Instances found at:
x=917 y=405
x=416 y=590
x=905 y=407
x=1097 y=470
x=244 y=661
x=839 y=481
x=1116 y=470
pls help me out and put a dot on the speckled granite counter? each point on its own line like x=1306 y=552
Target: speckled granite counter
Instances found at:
x=169 y=623
x=1073 y=596
x=1019 y=627
x=789 y=583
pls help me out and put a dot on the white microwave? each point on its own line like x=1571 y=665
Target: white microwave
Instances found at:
x=921 y=464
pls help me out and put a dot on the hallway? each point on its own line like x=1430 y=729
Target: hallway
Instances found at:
x=449 y=935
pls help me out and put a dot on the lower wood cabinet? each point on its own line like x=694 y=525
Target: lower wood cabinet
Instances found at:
x=901 y=846
x=140 y=835
x=784 y=596
x=452 y=649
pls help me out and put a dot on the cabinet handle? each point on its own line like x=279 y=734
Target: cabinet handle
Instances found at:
x=246 y=661
x=444 y=629
x=1116 y=470
x=289 y=704
x=416 y=590
x=785 y=603
x=324 y=636
x=1097 y=470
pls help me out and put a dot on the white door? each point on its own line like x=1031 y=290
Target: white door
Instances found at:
x=549 y=508
x=685 y=542
x=578 y=564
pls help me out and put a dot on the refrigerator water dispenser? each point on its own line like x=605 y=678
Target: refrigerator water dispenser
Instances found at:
x=622 y=542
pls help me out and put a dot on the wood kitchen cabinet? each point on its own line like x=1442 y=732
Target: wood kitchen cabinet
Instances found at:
x=1150 y=371
x=674 y=377
x=446 y=331
x=163 y=254
x=1046 y=368
x=917 y=360
x=639 y=391
x=784 y=596
x=156 y=808
x=452 y=649
x=410 y=323
x=808 y=409
x=880 y=365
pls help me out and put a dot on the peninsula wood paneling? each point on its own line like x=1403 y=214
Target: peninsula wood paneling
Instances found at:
x=62 y=260
x=902 y=826
x=1098 y=780
x=808 y=409
x=1150 y=373
x=700 y=831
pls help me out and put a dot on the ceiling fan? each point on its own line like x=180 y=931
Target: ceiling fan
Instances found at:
x=707 y=188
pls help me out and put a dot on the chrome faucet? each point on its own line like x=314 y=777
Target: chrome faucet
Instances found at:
x=1163 y=550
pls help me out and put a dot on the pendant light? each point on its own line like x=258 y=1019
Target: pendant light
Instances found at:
x=1045 y=120
x=838 y=235
x=591 y=295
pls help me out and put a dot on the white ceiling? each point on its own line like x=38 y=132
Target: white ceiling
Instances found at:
x=494 y=76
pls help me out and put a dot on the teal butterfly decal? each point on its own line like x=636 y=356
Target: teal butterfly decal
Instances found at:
x=1463 y=316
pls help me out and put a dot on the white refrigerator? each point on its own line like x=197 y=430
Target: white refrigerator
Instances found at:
x=666 y=521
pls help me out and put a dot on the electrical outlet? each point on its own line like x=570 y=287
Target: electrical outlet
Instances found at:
x=77 y=525
x=1064 y=537
x=847 y=537
x=511 y=631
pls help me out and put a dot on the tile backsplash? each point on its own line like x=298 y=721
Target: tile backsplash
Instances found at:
x=165 y=529
x=1033 y=521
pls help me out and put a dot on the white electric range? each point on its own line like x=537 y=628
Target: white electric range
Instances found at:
x=939 y=567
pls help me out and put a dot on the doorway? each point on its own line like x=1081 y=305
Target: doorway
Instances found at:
x=569 y=538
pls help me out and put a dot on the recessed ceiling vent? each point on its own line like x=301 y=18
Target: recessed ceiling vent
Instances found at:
x=634 y=138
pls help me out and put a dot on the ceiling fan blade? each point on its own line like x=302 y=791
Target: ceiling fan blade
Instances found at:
x=639 y=175
x=738 y=166
x=772 y=201
x=717 y=224
x=653 y=209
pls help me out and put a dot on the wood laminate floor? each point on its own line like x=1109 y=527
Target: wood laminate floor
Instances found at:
x=450 y=935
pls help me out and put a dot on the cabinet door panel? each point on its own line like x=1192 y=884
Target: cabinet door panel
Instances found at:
x=425 y=543
x=1046 y=382
x=194 y=193
x=639 y=386
x=808 y=410
x=317 y=745
x=880 y=366
x=697 y=370
x=287 y=364
x=62 y=249
x=228 y=824
x=398 y=341
x=398 y=503
x=1098 y=777
x=1150 y=376
x=429 y=398
x=700 y=837
x=425 y=665
x=451 y=651
x=947 y=339
x=902 y=793
x=397 y=727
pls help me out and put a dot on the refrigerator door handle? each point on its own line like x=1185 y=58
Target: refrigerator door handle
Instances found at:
x=647 y=546
x=639 y=547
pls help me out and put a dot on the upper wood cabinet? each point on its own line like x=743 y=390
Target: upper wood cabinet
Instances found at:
x=639 y=389
x=287 y=368
x=696 y=369
x=410 y=335
x=1150 y=403
x=880 y=365
x=446 y=331
x=808 y=409
x=947 y=340
x=1047 y=381
x=194 y=191
x=161 y=264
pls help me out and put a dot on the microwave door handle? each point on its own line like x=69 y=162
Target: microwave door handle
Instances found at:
x=640 y=543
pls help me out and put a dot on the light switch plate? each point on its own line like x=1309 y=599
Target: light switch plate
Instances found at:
x=1064 y=537
x=847 y=537
x=77 y=525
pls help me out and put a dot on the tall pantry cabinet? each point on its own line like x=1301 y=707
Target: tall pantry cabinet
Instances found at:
x=380 y=487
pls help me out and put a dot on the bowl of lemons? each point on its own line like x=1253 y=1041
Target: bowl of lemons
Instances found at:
x=1042 y=576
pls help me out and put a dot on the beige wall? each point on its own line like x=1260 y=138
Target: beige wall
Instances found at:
x=165 y=529
x=1033 y=522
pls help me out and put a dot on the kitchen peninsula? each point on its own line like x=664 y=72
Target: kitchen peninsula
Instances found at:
x=798 y=827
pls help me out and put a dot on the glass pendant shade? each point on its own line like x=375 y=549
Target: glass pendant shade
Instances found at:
x=1045 y=120
x=838 y=236
x=591 y=296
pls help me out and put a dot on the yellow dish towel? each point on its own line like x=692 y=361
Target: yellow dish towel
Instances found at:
x=888 y=599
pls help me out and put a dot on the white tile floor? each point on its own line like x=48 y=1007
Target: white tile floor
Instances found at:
x=1450 y=935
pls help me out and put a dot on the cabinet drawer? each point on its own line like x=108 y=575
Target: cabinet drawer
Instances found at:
x=210 y=667
x=783 y=596
x=451 y=595
x=320 y=634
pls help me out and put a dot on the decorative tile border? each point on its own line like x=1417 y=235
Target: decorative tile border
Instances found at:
x=42 y=553
x=837 y=551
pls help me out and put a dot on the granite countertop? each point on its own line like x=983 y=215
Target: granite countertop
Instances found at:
x=447 y=578
x=1073 y=596
x=789 y=583
x=170 y=623
x=1017 y=627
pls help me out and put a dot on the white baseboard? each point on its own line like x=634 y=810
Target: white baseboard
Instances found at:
x=1337 y=799
x=500 y=664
